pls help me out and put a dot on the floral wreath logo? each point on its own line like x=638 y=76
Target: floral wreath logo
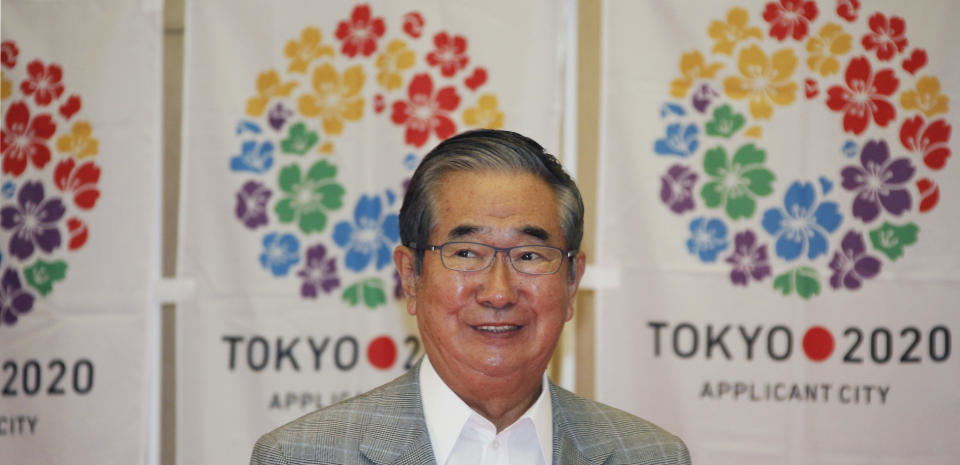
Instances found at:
x=287 y=151
x=49 y=180
x=722 y=177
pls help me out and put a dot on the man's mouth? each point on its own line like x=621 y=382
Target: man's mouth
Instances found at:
x=497 y=329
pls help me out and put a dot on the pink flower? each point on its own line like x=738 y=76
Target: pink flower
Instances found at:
x=450 y=54
x=887 y=37
x=43 y=82
x=790 y=18
x=864 y=97
x=360 y=33
x=425 y=112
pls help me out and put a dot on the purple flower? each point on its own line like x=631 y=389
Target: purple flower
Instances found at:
x=879 y=182
x=252 y=204
x=397 y=285
x=318 y=273
x=703 y=96
x=748 y=259
x=34 y=220
x=278 y=115
x=676 y=188
x=14 y=300
x=851 y=264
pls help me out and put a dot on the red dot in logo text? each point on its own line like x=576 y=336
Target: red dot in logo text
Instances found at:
x=818 y=343
x=382 y=352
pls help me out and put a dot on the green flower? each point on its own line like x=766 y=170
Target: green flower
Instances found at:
x=891 y=239
x=41 y=275
x=300 y=139
x=805 y=280
x=725 y=122
x=371 y=290
x=736 y=184
x=309 y=199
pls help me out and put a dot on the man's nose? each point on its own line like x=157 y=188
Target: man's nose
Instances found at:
x=498 y=288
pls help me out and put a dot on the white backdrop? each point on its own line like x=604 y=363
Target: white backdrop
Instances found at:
x=777 y=189
x=79 y=206
x=295 y=157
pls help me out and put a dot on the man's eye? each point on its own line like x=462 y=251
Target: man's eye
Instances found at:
x=529 y=256
x=465 y=253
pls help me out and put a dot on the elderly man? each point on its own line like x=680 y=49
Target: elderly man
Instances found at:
x=490 y=264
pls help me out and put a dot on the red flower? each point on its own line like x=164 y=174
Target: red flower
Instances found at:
x=82 y=182
x=847 y=9
x=425 y=112
x=790 y=17
x=865 y=96
x=887 y=37
x=24 y=138
x=928 y=141
x=360 y=33
x=450 y=54
x=8 y=53
x=44 y=80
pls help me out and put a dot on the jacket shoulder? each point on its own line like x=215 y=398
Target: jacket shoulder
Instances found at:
x=334 y=434
x=597 y=428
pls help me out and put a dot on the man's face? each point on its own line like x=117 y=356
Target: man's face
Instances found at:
x=496 y=322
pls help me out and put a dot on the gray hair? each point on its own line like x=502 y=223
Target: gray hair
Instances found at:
x=485 y=150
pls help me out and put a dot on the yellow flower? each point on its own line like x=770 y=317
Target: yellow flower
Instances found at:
x=391 y=62
x=306 y=50
x=335 y=98
x=926 y=98
x=763 y=80
x=735 y=29
x=824 y=49
x=268 y=87
x=485 y=114
x=6 y=87
x=79 y=142
x=692 y=67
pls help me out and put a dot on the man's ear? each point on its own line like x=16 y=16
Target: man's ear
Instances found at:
x=579 y=266
x=404 y=259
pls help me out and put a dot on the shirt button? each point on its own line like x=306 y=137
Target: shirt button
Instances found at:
x=495 y=445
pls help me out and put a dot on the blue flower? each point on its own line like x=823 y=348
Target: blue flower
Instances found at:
x=675 y=143
x=280 y=252
x=707 y=238
x=370 y=234
x=9 y=188
x=252 y=158
x=802 y=225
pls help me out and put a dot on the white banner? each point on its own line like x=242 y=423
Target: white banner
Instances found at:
x=776 y=185
x=303 y=122
x=79 y=205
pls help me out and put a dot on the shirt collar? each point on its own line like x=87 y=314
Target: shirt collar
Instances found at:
x=445 y=414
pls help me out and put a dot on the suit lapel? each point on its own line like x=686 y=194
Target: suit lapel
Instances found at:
x=395 y=431
x=569 y=444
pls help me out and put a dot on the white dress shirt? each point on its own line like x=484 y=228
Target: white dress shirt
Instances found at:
x=461 y=436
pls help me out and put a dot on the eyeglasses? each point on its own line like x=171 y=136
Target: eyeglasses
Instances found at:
x=527 y=259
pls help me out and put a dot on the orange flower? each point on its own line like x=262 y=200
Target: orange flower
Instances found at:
x=692 y=68
x=396 y=58
x=306 y=50
x=735 y=29
x=6 y=87
x=763 y=80
x=268 y=87
x=335 y=97
x=926 y=98
x=825 y=47
x=485 y=114
x=79 y=143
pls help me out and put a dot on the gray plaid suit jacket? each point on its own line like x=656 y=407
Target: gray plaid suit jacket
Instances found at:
x=386 y=426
